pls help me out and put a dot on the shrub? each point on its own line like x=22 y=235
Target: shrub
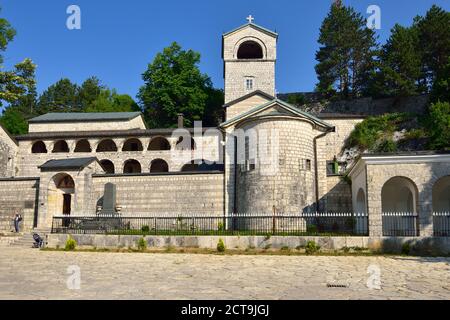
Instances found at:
x=311 y=228
x=71 y=244
x=311 y=247
x=142 y=244
x=387 y=145
x=368 y=133
x=221 y=246
x=220 y=226
x=406 y=248
x=145 y=229
x=267 y=236
x=438 y=125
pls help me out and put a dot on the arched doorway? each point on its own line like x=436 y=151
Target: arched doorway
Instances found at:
x=83 y=146
x=159 y=165
x=132 y=166
x=132 y=145
x=159 y=144
x=61 y=191
x=108 y=166
x=60 y=146
x=441 y=195
x=107 y=145
x=39 y=147
x=361 y=202
x=399 y=207
x=399 y=194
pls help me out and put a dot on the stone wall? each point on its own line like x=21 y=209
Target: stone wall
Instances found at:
x=262 y=72
x=135 y=123
x=190 y=193
x=8 y=149
x=334 y=193
x=18 y=195
x=286 y=181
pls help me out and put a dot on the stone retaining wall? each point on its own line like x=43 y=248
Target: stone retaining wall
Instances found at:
x=432 y=245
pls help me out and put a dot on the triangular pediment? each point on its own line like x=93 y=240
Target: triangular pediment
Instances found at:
x=275 y=108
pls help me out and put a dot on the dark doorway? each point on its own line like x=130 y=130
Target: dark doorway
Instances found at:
x=66 y=208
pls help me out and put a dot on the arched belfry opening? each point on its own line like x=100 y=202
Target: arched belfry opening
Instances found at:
x=250 y=50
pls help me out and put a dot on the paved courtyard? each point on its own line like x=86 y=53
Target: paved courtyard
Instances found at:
x=33 y=274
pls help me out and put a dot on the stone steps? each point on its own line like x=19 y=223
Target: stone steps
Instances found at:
x=23 y=240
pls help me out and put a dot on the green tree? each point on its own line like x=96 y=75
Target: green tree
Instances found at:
x=13 y=120
x=346 y=58
x=17 y=86
x=89 y=91
x=110 y=101
x=174 y=84
x=434 y=36
x=60 y=97
x=441 y=86
x=214 y=112
x=438 y=125
x=400 y=64
x=7 y=34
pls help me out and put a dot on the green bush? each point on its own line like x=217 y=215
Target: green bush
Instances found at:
x=145 y=229
x=369 y=133
x=406 y=248
x=221 y=246
x=142 y=244
x=311 y=228
x=438 y=125
x=220 y=226
x=71 y=244
x=311 y=247
x=387 y=145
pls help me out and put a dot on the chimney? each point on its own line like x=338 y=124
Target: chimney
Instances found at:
x=180 y=120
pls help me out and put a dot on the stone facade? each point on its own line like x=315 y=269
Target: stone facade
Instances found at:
x=269 y=157
x=373 y=172
x=8 y=150
x=174 y=194
x=284 y=183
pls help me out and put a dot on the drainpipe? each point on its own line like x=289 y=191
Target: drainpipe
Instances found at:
x=316 y=171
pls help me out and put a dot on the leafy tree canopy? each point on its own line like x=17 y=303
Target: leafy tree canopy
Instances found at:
x=173 y=85
x=346 y=56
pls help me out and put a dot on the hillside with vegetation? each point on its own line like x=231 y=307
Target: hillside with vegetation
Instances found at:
x=414 y=62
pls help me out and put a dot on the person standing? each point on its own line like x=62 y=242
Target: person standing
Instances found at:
x=17 y=220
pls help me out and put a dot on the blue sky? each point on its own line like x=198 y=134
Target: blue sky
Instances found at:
x=119 y=38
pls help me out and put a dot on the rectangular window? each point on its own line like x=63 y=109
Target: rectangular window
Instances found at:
x=250 y=162
x=249 y=84
x=336 y=168
x=305 y=164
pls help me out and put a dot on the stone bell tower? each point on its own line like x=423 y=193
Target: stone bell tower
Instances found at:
x=249 y=54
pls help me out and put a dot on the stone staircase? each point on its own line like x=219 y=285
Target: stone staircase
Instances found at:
x=24 y=239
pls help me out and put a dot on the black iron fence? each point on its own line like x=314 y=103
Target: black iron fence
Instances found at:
x=400 y=224
x=333 y=224
x=441 y=224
